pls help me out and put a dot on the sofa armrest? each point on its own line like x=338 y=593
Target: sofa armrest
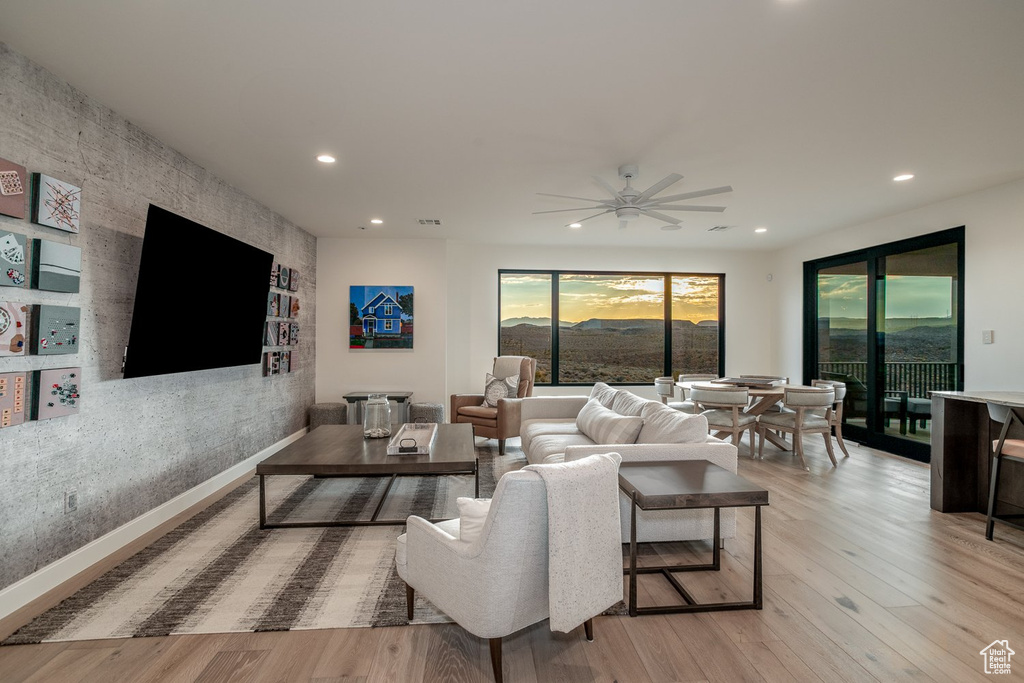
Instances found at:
x=509 y=411
x=714 y=450
x=552 y=407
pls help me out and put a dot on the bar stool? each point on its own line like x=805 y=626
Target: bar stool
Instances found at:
x=1003 y=449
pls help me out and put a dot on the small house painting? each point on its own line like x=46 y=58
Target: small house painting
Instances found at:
x=380 y=317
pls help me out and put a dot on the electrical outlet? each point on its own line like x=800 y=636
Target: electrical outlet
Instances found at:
x=987 y=336
x=70 y=500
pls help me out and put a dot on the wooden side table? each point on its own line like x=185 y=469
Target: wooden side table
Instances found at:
x=689 y=485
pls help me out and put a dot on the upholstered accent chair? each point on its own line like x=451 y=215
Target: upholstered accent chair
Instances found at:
x=501 y=422
x=804 y=402
x=507 y=577
x=723 y=407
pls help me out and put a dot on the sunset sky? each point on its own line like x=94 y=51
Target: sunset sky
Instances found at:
x=582 y=297
x=906 y=296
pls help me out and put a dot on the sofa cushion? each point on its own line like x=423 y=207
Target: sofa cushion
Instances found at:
x=546 y=445
x=478 y=415
x=472 y=514
x=530 y=429
x=626 y=403
x=605 y=426
x=604 y=394
x=667 y=425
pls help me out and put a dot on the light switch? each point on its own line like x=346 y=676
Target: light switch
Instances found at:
x=987 y=336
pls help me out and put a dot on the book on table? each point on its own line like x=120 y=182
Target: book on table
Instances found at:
x=415 y=438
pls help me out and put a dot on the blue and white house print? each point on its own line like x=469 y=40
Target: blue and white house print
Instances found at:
x=380 y=317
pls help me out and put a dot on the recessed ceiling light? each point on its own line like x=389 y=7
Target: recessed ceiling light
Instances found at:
x=575 y=225
x=376 y=221
x=325 y=159
x=760 y=229
x=905 y=176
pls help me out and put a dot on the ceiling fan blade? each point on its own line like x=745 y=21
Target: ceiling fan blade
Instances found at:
x=608 y=188
x=565 y=196
x=694 y=195
x=623 y=225
x=660 y=216
x=670 y=179
x=685 y=207
x=578 y=208
x=595 y=215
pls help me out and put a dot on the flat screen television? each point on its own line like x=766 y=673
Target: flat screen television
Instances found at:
x=201 y=299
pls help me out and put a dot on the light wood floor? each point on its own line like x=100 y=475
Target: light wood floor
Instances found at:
x=863 y=582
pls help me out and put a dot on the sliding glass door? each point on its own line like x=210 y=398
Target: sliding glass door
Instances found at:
x=888 y=321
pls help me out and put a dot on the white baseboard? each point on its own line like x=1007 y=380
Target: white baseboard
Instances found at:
x=37 y=584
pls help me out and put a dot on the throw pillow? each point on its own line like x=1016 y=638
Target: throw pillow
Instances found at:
x=603 y=393
x=626 y=403
x=604 y=426
x=496 y=388
x=472 y=514
x=668 y=425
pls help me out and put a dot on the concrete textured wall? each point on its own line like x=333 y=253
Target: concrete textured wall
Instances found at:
x=136 y=443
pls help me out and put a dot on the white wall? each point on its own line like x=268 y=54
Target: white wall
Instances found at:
x=473 y=300
x=421 y=369
x=994 y=256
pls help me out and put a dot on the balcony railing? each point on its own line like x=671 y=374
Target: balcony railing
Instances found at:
x=917 y=379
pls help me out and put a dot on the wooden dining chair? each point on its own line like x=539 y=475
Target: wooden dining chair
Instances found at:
x=687 y=405
x=802 y=401
x=837 y=409
x=724 y=410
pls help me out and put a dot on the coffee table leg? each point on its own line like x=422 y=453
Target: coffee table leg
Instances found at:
x=476 y=476
x=757 y=558
x=716 y=552
x=632 y=557
x=263 y=503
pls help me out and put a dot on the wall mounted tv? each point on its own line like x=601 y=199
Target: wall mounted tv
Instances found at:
x=201 y=300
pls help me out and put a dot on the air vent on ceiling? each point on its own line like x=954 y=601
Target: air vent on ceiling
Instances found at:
x=720 y=228
x=430 y=221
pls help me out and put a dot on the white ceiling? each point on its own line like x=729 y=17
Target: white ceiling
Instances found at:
x=463 y=110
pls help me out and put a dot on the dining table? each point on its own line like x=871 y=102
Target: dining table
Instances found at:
x=764 y=395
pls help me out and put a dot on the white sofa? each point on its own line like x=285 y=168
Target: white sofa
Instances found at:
x=550 y=433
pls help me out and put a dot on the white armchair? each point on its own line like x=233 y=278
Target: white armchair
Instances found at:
x=499 y=583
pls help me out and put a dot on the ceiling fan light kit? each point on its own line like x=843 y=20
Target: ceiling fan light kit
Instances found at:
x=629 y=203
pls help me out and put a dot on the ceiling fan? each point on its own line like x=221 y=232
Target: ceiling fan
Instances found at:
x=629 y=202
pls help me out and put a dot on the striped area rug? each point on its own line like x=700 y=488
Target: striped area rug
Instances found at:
x=218 y=573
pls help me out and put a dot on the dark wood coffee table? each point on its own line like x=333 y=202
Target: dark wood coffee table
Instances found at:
x=341 y=451
x=688 y=485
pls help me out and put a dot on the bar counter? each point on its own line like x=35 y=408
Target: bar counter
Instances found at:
x=962 y=436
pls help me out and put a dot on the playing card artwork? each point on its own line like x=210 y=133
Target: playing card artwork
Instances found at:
x=285 y=362
x=271 y=363
x=273 y=304
x=13 y=320
x=293 y=334
x=283 y=278
x=57 y=330
x=295 y=307
x=56 y=204
x=275 y=273
x=293 y=281
x=13 y=388
x=13 y=248
x=58 y=392
x=270 y=337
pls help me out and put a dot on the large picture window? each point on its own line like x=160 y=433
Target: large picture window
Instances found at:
x=620 y=328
